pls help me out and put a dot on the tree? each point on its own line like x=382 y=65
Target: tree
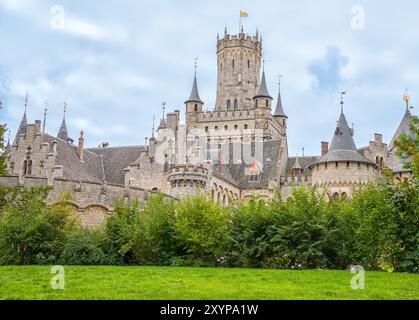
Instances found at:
x=408 y=146
x=3 y=167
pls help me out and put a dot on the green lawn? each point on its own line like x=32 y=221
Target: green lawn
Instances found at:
x=98 y=282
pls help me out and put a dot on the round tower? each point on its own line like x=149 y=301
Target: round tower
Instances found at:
x=188 y=180
x=342 y=168
x=263 y=108
x=238 y=70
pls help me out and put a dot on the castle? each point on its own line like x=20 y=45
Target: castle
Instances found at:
x=236 y=151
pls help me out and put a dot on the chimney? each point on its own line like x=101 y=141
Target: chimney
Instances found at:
x=37 y=126
x=54 y=146
x=80 y=146
x=325 y=148
x=378 y=138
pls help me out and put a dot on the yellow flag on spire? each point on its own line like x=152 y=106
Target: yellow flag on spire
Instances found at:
x=243 y=14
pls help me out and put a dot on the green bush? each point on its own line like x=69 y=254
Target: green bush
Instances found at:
x=247 y=241
x=32 y=231
x=88 y=247
x=121 y=229
x=200 y=228
x=154 y=242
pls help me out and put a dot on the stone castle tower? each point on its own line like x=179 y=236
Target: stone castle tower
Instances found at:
x=238 y=70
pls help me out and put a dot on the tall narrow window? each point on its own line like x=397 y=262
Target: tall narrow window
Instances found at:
x=248 y=64
x=228 y=103
x=236 y=103
x=267 y=103
x=233 y=63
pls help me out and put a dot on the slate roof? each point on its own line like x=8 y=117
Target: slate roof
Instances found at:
x=235 y=170
x=262 y=90
x=90 y=169
x=22 y=128
x=116 y=159
x=279 y=111
x=305 y=163
x=342 y=147
x=63 y=133
x=402 y=128
x=194 y=96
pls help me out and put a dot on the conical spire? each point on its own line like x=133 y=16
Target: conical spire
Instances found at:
x=343 y=136
x=63 y=133
x=297 y=164
x=403 y=125
x=279 y=111
x=23 y=123
x=194 y=96
x=262 y=90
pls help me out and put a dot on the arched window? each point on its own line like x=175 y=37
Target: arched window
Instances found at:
x=377 y=161
x=236 y=103
x=224 y=200
x=335 y=196
x=228 y=103
x=381 y=161
x=344 y=195
x=196 y=107
x=248 y=64
x=233 y=63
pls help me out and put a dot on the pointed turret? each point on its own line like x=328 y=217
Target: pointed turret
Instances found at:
x=63 y=133
x=23 y=123
x=343 y=148
x=262 y=90
x=297 y=169
x=194 y=103
x=279 y=110
x=194 y=96
x=403 y=125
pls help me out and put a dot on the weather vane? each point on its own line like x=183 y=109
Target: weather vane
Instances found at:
x=45 y=115
x=196 y=64
x=342 y=93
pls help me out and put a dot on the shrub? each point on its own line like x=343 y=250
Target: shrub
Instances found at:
x=199 y=231
x=88 y=247
x=121 y=229
x=32 y=231
x=154 y=242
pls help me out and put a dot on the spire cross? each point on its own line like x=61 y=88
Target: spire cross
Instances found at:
x=342 y=93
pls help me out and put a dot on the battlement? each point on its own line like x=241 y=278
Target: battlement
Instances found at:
x=188 y=179
x=243 y=114
x=241 y=39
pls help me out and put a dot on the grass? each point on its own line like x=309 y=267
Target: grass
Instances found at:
x=139 y=282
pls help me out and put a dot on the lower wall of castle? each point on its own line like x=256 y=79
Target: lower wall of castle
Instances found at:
x=92 y=202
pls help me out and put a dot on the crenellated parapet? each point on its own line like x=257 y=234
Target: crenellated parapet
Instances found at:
x=187 y=180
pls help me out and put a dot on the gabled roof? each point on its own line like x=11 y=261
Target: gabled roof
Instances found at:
x=262 y=90
x=116 y=159
x=402 y=128
x=194 y=96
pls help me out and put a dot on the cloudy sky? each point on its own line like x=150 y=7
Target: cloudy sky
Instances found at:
x=114 y=62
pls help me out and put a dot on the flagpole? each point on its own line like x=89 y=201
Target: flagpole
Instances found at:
x=240 y=21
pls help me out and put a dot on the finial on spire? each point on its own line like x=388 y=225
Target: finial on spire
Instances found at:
x=342 y=93
x=26 y=100
x=406 y=98
x=65 y=108
x=225 y=30
x=302 y=149
x=164 y=108
x=45 y=115
x=196 y=65
x=257 y=33
x=279 y=81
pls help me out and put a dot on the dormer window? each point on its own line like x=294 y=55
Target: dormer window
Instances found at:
x=254 y=171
